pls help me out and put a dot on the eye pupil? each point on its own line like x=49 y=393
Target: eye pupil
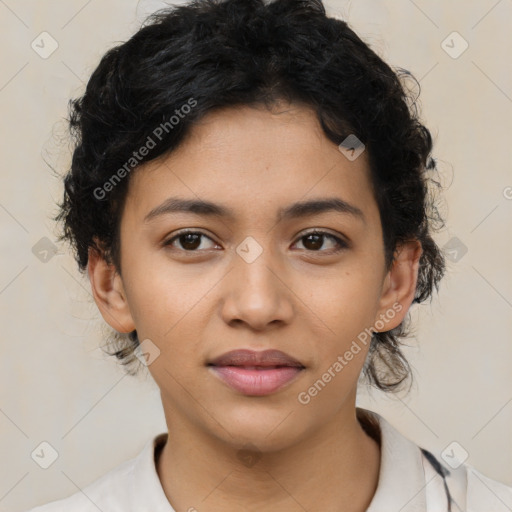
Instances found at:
x=192 y=241
x=317 y=241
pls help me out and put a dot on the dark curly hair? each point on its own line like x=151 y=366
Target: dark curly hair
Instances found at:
x=221 y=53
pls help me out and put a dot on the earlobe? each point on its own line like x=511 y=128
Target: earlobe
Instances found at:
x=400 y=283
x=108 y=292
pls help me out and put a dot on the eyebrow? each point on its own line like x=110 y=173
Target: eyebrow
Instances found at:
x=295 y=210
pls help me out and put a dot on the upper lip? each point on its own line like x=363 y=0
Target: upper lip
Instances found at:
x=245 y=357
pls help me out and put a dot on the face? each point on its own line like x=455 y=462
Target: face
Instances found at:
x=251 y=275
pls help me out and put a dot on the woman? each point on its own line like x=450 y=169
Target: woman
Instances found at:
x=250 y=197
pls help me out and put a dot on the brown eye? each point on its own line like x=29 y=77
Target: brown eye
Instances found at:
x=188 y=240
x=314 y=241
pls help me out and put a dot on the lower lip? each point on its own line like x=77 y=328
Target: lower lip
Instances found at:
x=256 y=382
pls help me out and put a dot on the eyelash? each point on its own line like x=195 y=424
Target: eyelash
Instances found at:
x=342 y=245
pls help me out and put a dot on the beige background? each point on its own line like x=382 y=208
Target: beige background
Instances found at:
x=56 y=385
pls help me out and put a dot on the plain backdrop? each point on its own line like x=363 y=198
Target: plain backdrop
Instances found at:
x=58 y=387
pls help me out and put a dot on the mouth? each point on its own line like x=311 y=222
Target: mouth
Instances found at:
x=256 y=373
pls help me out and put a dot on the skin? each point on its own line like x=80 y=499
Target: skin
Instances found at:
x=305 y=300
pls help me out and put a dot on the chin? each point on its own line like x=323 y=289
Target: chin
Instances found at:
x=267 y=431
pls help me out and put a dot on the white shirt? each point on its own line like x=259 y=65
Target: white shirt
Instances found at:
x=410 y=480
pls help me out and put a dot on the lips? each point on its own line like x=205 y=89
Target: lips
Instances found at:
x=250 y=358
x=256 y=373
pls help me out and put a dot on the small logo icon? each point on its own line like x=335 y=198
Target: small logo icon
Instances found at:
x=44 y=455
x=454 y=249
x=249 y=249
x=44 y=249
x=44 y=45
x=249 y=455
x=454 y=45
x=147 y=352
x=351 y=147
x=454 y=455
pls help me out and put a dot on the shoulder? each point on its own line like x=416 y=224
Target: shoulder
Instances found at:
x=465 y=487
x=484 y=493
x=101 y=493
x=414 y=476
x=132 y=485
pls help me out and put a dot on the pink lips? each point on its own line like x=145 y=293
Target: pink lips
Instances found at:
x=256 y=373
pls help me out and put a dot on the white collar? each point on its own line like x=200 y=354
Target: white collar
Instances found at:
x=401 y=487
x=408 y=482
x=402 y=482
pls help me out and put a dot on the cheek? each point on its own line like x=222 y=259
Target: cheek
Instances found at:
x=347 y=306
x=347 y=300
x=167 y=305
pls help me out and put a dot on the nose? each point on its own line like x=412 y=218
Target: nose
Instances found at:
x=256 y=292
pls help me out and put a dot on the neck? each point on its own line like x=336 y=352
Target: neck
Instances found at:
x=337 y=465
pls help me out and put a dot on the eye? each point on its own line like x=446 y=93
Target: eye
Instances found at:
x=314 y=240
x=189 y=240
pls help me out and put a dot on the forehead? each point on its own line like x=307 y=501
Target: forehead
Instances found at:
x=253 y=159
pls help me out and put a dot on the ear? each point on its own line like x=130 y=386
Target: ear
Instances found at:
x=399 y=285
x=108 y=292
